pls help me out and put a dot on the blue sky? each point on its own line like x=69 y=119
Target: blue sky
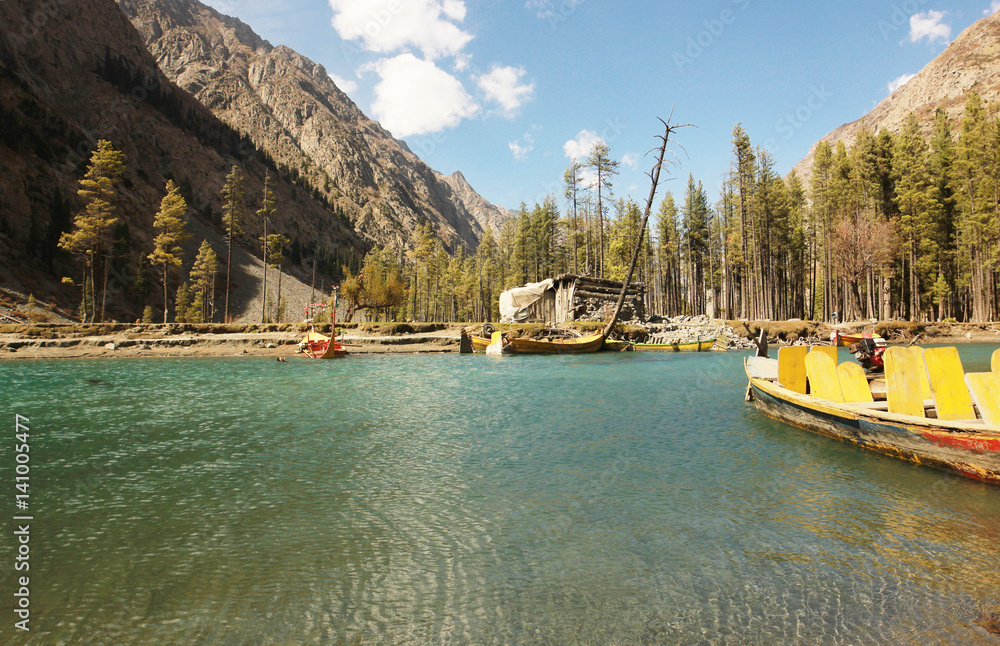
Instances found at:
x=506 y=91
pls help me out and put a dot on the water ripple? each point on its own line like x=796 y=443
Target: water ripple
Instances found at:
x=454 y=500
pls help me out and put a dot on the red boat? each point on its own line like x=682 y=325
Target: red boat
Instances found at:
x=847 y=340
x=320 y=346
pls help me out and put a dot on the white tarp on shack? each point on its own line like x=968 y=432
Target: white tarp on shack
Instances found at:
x=514 y=303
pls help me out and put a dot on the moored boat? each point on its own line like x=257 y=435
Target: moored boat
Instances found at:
x=545 y=341
x=847 y=340
x=932 y=413
x=701 y=345
x=568 y=345
x=320 y=346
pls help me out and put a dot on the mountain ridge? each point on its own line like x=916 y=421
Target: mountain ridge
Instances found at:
x=291 y=108
x=971 y=61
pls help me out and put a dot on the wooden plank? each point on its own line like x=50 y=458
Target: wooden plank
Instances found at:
x=824 y=382
x=995 y=361
x=985 y=389
x=792 y=368
x=854 y=383
x=947 y=382
x=902 y=381
x=596 y=292
x=762 y=368
x=879 y=405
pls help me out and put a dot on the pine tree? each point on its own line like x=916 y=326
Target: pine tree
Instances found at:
x=744 y=171
x=91 y=227
x=913 y=189
x=668 y=251
x=604 y=168
x=206 y=266
x=976 y=161
x=944 y=208
x=232 y=210
x=172 y=232
x=822 y=220
x=571 y=192
x=276 y=257
x=184 y=305
x=265 y=212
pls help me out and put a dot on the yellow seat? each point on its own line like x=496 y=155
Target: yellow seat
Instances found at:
x=792 y=368
x=995 y=361
x=854 y=383
x=985 y=389
x=947 y=383
x=828 y=349
x=905 y=377
x=824 y=382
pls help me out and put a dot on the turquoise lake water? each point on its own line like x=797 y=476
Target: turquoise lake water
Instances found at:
x=446 y=499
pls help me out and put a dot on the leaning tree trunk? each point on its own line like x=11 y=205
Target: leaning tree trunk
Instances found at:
x=654 y=175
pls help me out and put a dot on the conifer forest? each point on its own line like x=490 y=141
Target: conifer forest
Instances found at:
x=900 y=225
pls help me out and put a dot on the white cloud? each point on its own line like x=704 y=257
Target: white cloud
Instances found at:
x=994 y=7
x=503 y=85
x=346 y=86
x=929 y=25
x=521 y=150
x=579 y=148
x=897 y=83
x=386 y=26
x=631 y=159
x=416 y=97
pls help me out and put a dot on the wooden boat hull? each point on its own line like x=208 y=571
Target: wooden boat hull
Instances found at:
x=969 y=450
x=693 y=346
x=320 y=346
x=333 y=350
x=479 y=343
x=614 y=345
x=588 y=343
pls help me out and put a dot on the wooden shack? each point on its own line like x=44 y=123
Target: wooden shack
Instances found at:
x=570 y=297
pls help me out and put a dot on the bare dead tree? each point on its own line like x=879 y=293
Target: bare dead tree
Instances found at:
x=654 y=176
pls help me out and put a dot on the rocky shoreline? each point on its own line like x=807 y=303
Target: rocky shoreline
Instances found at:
x=173 y=340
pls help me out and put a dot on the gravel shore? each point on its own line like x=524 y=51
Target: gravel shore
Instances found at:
x=174 y=341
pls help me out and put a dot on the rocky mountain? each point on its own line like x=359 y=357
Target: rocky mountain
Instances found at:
x=72 y=73
x=291 y=108
x=971 y=61
x=487 y=214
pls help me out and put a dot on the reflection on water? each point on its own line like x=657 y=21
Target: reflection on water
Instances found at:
x=620 y=499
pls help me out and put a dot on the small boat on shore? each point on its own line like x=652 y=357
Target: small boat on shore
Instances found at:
x=700 y=345
x=565 y=345
x=926 y=410
x=545 y=341
x=320 y=346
